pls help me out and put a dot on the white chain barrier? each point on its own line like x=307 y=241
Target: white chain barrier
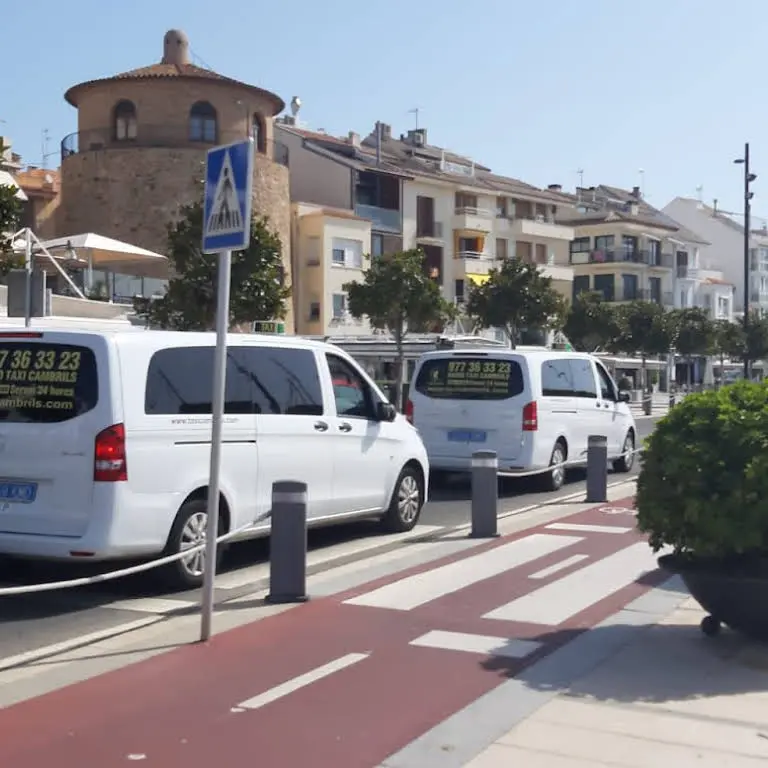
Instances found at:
x=112 y=575
x=562 y=464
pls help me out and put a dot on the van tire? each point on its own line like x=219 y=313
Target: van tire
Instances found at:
x=177 y=575
x=625 y=463
x=401 y=516
x=554 y=481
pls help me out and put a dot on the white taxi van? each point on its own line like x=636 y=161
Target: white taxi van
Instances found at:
x=534 y=408
x=105 y=442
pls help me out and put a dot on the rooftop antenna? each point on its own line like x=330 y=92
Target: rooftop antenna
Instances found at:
x=415 y=113
x=641 y=171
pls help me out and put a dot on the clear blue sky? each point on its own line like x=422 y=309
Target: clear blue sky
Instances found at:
x=535 y=90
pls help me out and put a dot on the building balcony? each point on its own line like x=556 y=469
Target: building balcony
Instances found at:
x=474 y=263
x=665 y=298
x=382 y=219
x=160 y=137
x=473 y=219
x=540 y=228
x=429 y=230
x=684 y=272
x=640 y=258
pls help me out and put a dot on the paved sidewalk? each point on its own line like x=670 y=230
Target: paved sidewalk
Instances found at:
x=671 y=699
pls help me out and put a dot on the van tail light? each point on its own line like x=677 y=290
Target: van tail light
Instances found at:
x=409 y=410
x=109 y=465
x=530 y=417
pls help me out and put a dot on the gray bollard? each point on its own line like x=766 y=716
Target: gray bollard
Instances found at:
x=647 y=404
x=597 y=468
x=671 y=400
x=288 y=543
x=485 y=495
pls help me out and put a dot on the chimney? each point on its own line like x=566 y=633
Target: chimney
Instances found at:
x=636 y=193
x=354 y=139
x=379 y=132
x=385 y=131
x=417 y=137
x=593 y=190
x=634 y=208
x=714 y=207
x=555 y=187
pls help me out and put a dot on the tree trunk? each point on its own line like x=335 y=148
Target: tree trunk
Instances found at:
x=722 y=369
x=399 y=370
x=512 y=336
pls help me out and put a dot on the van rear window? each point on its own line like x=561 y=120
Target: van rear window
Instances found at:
x=470 y=378
x=45 y=383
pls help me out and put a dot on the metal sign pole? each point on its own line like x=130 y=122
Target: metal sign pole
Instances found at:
x=226 y=228
x=27 y=278
x=217 y=408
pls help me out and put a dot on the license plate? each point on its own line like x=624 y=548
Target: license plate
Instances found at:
x=466 y=436
x=18 y=493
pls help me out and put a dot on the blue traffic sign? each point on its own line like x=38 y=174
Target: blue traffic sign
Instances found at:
x=228 y=188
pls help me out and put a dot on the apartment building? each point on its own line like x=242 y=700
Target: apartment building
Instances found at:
x=724 y=251
x=330 y=248
x=627 y=250
x=465 y=218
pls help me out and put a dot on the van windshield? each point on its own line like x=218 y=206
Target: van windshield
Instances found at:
x=470 y=378
x=45 y=383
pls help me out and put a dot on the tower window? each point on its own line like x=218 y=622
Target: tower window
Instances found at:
x=203 y=123
x=124 y=120
x=257 y=132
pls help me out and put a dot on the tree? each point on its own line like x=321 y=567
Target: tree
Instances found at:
x=691 y=333
x=727 y=341
x=643 y=329
x=591 y=322
x=258 y=290
x=397 y=295
x=756 y=337
x=516 y=297
x=10 y=216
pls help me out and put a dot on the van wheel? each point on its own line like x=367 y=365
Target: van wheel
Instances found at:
x=188 y=531
x=627 y=460
x=555 y=478
x=406 y=503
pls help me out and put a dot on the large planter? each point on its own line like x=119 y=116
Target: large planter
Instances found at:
x=733 y=594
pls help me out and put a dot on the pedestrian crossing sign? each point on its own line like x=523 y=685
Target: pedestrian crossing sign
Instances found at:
x=227 y=202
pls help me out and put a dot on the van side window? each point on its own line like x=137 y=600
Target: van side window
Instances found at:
x=557 y=379
x=352 y=394
x=583 y=378
x=267 y=380
x=607 y=389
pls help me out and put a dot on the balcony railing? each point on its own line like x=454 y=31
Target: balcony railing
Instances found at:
x=686 y=272
x=476 y=255
x=432 y=229
x=381 y=218
x=622 y=256
x=470 y=211
x=161 y=137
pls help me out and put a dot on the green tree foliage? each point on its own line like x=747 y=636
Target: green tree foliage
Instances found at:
x=396 y=295
x=516 y=297
x=258 y=290
x=10 y=217
x=727 y=341
x=644 y=329
x=703 y=486
x=756 y=337
x=591 y=322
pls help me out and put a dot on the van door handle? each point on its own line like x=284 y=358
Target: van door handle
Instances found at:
x=321 y=426
x=344 y=427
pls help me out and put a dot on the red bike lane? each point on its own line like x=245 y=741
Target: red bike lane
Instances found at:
x=344 y=681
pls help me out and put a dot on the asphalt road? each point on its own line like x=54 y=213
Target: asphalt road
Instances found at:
x=33 y=621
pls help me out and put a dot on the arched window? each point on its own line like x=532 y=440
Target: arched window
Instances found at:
x=124 y=121
x=257 y=132
x=202 y=123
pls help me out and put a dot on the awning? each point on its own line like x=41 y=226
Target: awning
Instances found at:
x=477 y=279
x=6 y=180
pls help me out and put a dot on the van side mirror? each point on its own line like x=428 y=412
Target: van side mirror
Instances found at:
x=624 y=397
x=385 y=412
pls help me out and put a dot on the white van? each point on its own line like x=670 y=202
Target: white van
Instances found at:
x=534 y=408
x=105 y=442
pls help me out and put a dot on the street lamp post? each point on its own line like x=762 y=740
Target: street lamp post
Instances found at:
x=748 y=179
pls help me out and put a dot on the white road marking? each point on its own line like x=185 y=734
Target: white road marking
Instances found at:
x=561 y=566
x=583 y=528
x=273 y=694
x=67 y=645
x=246 y=576
x=554 y=603
x=155 y=605
x=484 y=644
x=421 y=588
